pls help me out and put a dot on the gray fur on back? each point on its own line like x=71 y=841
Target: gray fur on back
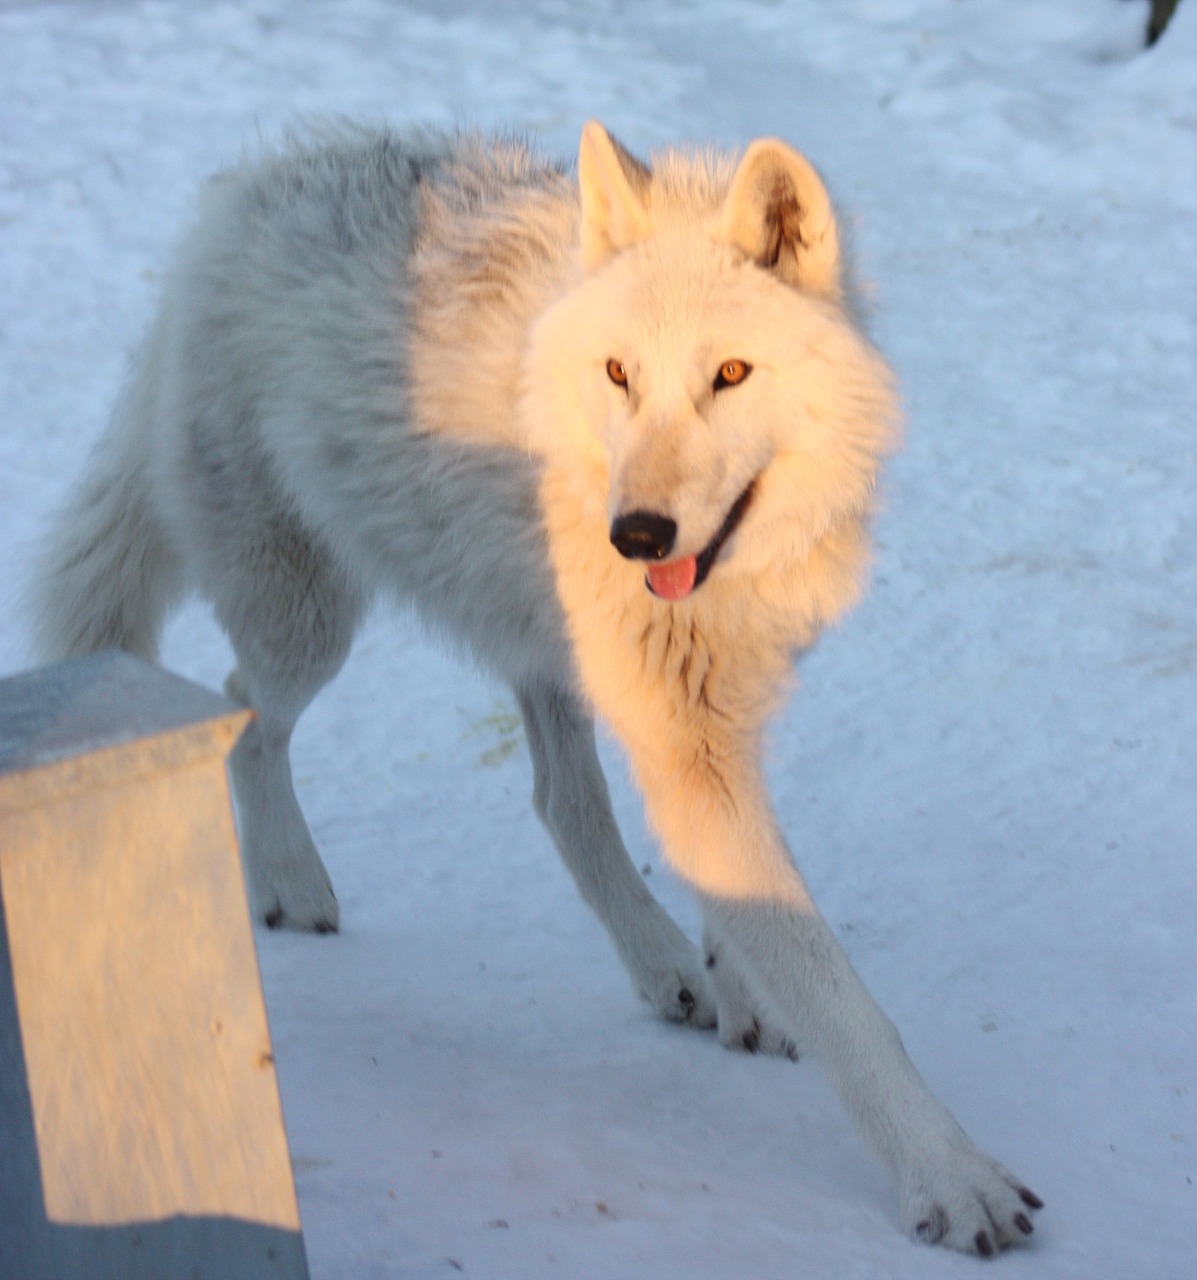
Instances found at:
x=271 y=419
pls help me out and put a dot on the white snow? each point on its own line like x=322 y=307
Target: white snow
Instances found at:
x=989 y=773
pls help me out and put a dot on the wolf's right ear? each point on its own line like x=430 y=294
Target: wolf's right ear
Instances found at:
x=614 y=188
x=778 y=211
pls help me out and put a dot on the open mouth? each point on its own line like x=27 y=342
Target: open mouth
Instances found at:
x=676 y=579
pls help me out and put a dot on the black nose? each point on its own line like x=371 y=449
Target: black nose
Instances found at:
x=643 y=535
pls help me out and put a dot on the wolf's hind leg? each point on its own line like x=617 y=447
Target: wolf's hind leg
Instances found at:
x=288 y=884
x=291 y=618
x=570 y=795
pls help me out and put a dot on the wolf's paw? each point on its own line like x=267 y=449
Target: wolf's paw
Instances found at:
x=741 y=1027
x=967 y=1201
x=673 y=982
x=682 y=994
x=310 y=907
x=667 y=971
x=751 y=1035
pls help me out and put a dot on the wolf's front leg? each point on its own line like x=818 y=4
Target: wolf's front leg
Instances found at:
x=720 y=834
x=572 y=800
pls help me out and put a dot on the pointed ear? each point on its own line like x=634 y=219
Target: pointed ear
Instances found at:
x=614 y=186
x=778 y=211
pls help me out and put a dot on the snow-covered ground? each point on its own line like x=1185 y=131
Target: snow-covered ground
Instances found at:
x=990 y=773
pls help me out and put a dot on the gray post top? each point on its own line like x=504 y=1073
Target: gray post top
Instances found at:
x=101 y=703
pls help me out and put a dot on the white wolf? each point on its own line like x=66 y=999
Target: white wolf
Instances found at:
x=619 y=435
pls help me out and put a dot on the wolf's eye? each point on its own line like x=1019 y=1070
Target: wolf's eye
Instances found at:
x=617 y=373
x=731 y=374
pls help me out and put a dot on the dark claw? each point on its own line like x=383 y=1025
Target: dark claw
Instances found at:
x=711 y=960
x=933 y=1229
x=325 y=926
x=1029 y=1198
x=274 y=917
x=686 y=999
x=984 y=1245
x=791 y=1051
x=752 y=1040
x=1023 y=1223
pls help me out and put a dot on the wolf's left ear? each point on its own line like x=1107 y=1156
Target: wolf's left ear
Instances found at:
x=614 y=187
x=778 y=211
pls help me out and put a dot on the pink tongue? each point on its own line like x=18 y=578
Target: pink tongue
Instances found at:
x=673 y=580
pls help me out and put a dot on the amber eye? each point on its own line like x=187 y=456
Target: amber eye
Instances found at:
x=617 y=373
x=731 y=373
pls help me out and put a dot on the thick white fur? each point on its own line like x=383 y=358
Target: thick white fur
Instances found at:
x=381 y=364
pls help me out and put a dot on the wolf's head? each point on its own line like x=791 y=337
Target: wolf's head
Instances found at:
x=703 y=370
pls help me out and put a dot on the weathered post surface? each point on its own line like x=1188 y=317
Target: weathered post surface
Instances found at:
x=141 y=1133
